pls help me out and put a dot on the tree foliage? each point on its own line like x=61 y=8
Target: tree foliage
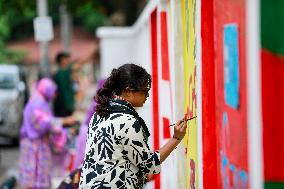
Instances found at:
x=16 y=18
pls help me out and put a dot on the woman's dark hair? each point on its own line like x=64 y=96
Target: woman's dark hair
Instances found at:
x=129 y=76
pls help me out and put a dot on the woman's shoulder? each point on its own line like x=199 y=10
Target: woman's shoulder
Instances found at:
x=117 y=117
x=113 y=117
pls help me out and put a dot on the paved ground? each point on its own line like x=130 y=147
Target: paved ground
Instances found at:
x=9 y=165
x=8 y=162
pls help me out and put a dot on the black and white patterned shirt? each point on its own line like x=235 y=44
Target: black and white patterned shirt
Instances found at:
x=117 y=154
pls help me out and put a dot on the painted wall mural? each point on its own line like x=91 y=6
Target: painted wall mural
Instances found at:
x=188 y=9
x=230 y=90
x=173 y=59
x=177 y=64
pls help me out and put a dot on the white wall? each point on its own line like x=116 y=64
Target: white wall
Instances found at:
x=120 y=45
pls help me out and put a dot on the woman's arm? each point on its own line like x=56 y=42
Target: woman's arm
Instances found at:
x=179 y=132
x=138 y=152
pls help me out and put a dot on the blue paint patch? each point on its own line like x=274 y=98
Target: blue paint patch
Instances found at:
x=240 y=176
x=225 y=118
x=233 y=168
x=231 y=65
x=243 y=176
x=225 y=160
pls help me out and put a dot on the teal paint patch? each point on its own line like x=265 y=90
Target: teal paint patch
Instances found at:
x=231 y=65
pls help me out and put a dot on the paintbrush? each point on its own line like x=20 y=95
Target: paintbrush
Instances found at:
x=184 y=120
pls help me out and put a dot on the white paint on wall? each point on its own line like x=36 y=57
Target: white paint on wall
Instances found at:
x=177 y=75
x=199 y=92
x=255 y=147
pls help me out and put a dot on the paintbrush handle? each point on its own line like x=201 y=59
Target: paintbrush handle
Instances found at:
x=185 y=120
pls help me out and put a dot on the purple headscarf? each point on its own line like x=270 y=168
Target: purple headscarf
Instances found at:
x=47 y=88
x=38 y=117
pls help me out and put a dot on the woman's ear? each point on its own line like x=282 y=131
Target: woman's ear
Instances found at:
x=126 y=94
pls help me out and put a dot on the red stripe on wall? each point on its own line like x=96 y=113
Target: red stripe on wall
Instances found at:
x=155 y=97
x=164 y=47
x=166 y=123
x=208 y=97
x=273 y=119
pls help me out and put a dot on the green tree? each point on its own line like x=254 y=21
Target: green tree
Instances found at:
x=13 y=15
x=16 y=18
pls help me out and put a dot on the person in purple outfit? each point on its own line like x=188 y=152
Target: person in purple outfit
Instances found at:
x=38 y=124
x=82 y=137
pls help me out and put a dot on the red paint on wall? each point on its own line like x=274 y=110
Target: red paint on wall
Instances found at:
x=166 y=123
x=165 y=65
x=208 y=97
x=155 y=97
x=232 y=136
x=273 y=115
x=192 y=97
x=164 y=47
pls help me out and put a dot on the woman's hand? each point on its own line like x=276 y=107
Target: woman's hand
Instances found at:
x=179 y=133
x=180 y=129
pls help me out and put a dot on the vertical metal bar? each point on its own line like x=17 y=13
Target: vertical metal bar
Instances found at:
x=44 y=62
